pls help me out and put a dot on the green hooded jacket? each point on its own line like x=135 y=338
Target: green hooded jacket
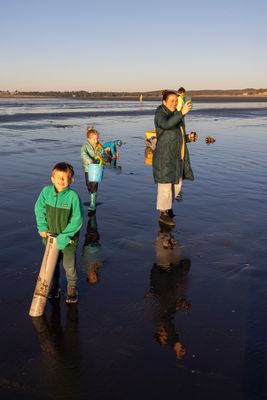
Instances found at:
x=167 y=155
x=88 y=154
x=61 y=214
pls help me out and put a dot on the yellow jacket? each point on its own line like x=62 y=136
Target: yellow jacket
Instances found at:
x=180 y=102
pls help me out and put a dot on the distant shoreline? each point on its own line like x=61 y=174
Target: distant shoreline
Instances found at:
x=197 y=98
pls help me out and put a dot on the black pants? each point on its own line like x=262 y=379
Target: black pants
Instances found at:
x=91 y=186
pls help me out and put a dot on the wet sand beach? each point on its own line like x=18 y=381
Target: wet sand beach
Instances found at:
x=185 y=321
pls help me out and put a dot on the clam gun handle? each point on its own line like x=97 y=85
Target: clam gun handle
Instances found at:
x=45 y=277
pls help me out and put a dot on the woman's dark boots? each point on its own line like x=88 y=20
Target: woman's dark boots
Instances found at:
x=165 y=218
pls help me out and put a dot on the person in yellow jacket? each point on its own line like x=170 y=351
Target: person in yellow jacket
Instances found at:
x=181 y=101
x=181 y=98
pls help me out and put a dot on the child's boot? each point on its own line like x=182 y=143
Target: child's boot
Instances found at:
x=92 y=206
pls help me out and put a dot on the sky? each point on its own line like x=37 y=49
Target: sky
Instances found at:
x=132 y=45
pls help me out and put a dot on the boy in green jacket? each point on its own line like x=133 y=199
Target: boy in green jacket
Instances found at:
x=59 y=212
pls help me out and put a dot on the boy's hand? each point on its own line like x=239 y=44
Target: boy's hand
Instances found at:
x=44 y=234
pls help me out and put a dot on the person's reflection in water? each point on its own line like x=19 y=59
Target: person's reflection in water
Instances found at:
x=168 y=282
x=92 y=252
x=60 y=353
x=148 y=156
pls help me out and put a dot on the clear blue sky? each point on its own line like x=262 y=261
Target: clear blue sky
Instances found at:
x=132 y=45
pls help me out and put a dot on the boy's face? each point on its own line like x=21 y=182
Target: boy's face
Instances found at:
x=93 y=140
x=61 y=180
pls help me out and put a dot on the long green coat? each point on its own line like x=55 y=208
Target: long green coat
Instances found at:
x=167 y=155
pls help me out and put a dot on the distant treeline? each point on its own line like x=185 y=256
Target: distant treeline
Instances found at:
x=83 y=94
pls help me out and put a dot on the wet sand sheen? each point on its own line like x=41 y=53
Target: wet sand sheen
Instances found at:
x=110 y=342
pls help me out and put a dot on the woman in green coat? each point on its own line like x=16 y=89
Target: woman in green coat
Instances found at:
x=171 y=160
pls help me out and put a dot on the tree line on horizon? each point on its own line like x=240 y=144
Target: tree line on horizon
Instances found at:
x=83 y=94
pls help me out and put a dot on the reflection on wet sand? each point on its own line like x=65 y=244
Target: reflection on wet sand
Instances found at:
x=148 y=156
x=92 y=251
x=168 y=284
x=113 y=165
x=61 y=366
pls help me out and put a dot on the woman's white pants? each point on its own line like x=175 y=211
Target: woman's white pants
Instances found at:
x=166 y=194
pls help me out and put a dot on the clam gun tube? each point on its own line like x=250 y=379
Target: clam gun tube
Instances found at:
x=45 y=277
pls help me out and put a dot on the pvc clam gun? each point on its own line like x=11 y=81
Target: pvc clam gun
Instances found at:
x=45 y=277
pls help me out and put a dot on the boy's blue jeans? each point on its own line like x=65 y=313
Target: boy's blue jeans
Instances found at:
x=68 y=259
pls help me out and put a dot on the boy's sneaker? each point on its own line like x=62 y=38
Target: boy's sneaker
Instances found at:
x=72 y=295
x=54 y=294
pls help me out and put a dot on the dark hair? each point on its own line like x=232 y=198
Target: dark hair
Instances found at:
x=181 y=90
x=167 y=93
x=64 y=167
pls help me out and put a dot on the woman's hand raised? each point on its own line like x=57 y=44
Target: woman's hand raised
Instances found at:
x=186 y=108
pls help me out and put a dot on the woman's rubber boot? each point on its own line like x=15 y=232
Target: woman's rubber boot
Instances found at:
x=92 y=206
x=165 y=219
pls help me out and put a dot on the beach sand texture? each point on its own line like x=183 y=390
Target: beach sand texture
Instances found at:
x=106 y=346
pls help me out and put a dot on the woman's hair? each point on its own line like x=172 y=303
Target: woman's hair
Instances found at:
x=167 y=93
x=91 y=131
